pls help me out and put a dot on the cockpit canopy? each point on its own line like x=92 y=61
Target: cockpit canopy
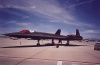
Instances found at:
x=26 y=31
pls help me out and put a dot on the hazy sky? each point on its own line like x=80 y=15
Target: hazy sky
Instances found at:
x=50 y=15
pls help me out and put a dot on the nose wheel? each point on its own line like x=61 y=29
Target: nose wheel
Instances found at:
x=67 y=43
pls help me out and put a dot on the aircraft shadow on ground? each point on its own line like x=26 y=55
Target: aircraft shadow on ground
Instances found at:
x=42 y=45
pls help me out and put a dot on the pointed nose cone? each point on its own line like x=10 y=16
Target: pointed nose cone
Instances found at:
x=6 y=34
x=3 y=34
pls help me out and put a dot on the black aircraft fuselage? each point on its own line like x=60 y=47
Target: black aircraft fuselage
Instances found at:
x=41 y=35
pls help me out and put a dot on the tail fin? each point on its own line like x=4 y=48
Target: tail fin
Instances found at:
x=58 y=32
x=77 y=32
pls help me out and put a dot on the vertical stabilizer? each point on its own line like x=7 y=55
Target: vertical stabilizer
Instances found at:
x=58 y=32
x=77 y=32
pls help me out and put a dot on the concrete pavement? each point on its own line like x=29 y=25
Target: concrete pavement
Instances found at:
x=25 y=52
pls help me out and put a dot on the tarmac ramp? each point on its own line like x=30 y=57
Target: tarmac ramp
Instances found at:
x=25 y=52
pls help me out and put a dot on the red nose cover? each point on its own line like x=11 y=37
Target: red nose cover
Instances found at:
x=24 y=31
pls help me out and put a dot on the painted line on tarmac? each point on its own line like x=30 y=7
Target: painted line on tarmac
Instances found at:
x=3 y=55
x=51 y=60
x=59 y=63
x=74 y=63
x=97 y=64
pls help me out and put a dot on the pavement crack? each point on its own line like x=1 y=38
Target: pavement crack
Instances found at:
x=38 y=53
x=31 y=56
x=92 y=55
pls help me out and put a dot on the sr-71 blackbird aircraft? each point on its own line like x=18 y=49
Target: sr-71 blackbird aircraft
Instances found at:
x=41 y=35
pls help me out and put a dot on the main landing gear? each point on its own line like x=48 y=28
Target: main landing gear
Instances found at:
x=38 y=44
x=60 y=41
x=53 y=42
x=67 y=43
